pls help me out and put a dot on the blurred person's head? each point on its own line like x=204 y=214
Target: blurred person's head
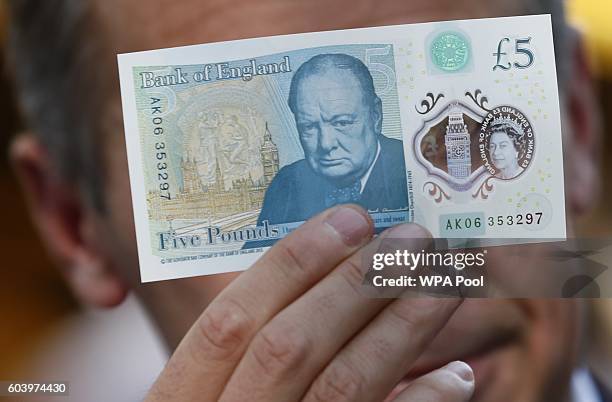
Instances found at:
x=73 y=166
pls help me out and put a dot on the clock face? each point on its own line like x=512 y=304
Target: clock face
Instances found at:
x=458 y=152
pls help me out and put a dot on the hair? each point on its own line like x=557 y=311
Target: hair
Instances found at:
x=56 y=47
x=55 y=59
x=518 y=139
x=324 y=62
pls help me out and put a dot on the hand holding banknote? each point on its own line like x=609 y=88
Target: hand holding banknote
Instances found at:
x=295 y=327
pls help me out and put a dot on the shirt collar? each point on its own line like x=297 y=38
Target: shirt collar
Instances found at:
x=584 y=388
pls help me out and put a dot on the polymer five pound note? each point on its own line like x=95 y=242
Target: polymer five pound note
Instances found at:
x=453 y=125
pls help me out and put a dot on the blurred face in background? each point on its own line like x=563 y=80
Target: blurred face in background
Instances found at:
x=520 y=350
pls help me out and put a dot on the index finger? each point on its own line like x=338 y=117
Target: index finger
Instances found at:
x=207 y=356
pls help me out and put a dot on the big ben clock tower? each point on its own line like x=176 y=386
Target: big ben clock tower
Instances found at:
x=269 y=157
x=457 y=142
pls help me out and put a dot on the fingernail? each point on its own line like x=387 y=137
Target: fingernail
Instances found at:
x=350 y=224
x=462 y=369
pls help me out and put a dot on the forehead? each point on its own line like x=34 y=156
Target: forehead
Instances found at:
x=329 y=81
x=333 y=91
x=145 y=24
x=500 y=136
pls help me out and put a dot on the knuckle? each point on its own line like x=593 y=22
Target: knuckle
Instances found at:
x=223 y=328
x=280 y=350
x=340 y=382
x=353 y=274
x=382 y=349
x=406 y=314
x=288 y=258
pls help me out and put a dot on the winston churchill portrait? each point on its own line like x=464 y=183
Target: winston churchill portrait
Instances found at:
x=347 y=158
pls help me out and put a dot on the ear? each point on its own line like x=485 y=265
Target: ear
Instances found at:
x=377 y=114
x=66 y=224
x=583 y=153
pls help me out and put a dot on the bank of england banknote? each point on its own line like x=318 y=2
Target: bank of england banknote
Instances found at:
x=453 y=125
